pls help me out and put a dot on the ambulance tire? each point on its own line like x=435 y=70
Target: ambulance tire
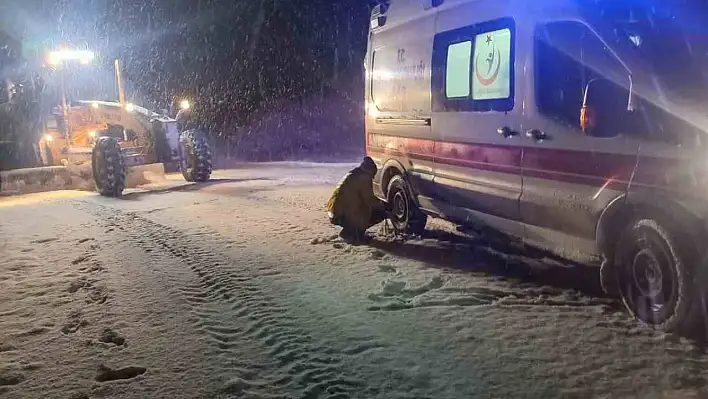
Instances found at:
x=658 y=276
x=405 y=215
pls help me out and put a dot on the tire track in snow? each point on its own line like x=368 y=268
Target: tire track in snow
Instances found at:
x=231 y=306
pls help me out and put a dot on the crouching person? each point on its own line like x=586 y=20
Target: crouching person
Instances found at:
x=353 y=205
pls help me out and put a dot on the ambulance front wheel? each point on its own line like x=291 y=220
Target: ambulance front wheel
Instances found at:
x=405 y=215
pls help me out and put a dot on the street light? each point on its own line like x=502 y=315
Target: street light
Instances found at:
x=58 y=59
x=184 y=104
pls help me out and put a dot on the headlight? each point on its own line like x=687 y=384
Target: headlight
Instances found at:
x=129 y=107
x=48 y=138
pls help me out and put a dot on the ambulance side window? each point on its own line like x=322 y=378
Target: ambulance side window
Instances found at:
x=457 y=70
x=666 y=127
x=473 y=68
x=568 y=55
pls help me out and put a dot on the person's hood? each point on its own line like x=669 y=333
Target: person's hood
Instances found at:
x=369 y=166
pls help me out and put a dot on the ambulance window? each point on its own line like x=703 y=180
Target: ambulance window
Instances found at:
x=560 y=79
x=492 y=65
x=568 y=55
x=457 y=75
x=473 y=68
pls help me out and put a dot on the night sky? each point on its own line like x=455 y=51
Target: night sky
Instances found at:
x=239 y=59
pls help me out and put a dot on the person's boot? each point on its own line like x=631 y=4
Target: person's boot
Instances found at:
x=361 y=238
x=347 y=235
x=353 y=237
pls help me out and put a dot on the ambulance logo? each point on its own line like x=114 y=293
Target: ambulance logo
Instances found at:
x=488 y=63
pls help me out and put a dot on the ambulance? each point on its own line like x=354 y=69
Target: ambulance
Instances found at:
x=576 y=126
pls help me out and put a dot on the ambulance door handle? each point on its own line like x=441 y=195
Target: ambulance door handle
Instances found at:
x=506 y=132
x=537 y=135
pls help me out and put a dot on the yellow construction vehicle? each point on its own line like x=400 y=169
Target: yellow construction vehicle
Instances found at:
x=91 y=120
x=112 y=137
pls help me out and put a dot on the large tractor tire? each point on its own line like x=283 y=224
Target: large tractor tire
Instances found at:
x=108 y=167
x=196 y=156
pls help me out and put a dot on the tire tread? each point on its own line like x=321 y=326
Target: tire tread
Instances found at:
x=108 y=166
x=201 y=170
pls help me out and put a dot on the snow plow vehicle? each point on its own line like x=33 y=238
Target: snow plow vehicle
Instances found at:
x=113 y=137
x=112 y=143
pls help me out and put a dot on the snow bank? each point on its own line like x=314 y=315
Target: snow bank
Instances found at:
x=32 y=180
x=74 y=177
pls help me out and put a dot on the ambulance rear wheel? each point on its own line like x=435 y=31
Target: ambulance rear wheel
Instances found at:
x=404 y=213
x=108 y=167
x=656 y=276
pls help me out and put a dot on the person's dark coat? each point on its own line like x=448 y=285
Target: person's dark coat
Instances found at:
x=353 y=199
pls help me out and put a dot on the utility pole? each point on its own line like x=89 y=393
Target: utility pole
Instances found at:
x=119 y=81
x=64 y=104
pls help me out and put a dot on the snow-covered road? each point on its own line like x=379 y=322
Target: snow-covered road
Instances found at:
x=238 y=288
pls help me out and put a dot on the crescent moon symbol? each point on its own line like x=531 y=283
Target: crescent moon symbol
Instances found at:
x=487 y=81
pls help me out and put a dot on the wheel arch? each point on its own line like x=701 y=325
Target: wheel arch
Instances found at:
x=389 y=169
x=623 y=208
